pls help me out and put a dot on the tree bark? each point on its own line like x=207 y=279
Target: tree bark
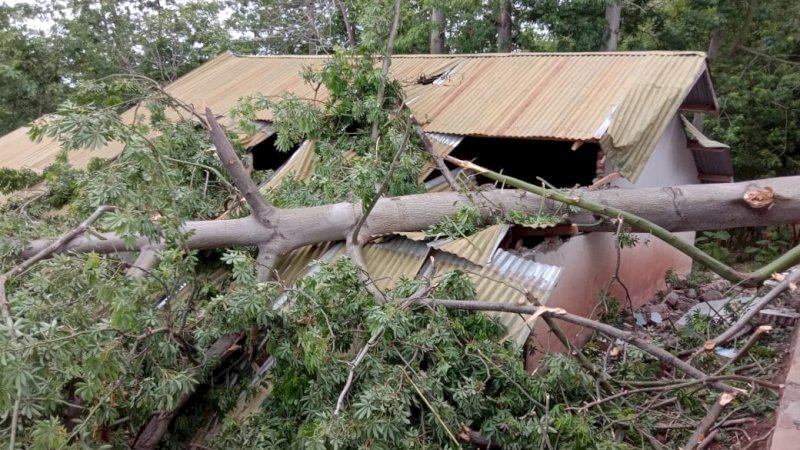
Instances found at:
x=504 y=28
x=437 y=31
x=714 y=44
x=680 y=208
x=351 y=35
x=313 y=35
x=613 y=18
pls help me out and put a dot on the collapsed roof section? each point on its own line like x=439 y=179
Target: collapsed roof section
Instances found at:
x=623 y=101
x=503 y=278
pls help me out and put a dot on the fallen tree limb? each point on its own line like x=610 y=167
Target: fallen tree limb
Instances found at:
x=152 y=433
x=293 y=228
x=577 y=352
x=661 y=354
x=760 y=304
x=713 y=413
x=262 y=210
x=759 y=200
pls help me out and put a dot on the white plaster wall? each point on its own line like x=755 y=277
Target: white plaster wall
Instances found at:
x=671 y=162
x=589 y=261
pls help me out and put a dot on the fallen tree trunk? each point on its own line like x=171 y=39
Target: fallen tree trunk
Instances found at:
x=678 y=208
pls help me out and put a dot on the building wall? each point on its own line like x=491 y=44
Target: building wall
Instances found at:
x=589 y=261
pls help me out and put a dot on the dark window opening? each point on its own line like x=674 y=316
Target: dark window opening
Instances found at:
x=266 y=155
x=553 y=161
x=518 y=238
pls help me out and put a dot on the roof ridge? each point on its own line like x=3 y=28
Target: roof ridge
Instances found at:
x=500 y=55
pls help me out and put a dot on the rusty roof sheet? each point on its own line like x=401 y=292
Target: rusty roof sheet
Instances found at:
x=505 y=280
x=297 y=263
x=394 y=260
x=477 y=248
x=300 y=165
x=567 y=96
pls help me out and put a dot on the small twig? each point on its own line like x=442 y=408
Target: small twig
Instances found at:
x=433 y=411
x=713 y=413
x=438 y=160
x=387 y=62
x=759 y=439
x=561 y=336
x=708 y=439
x=760 y=331
x=382 y=189
x=353 y=365
x=204 y=167
x=764 y=55
x=14 y=419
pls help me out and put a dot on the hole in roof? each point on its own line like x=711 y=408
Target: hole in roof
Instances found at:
x=439 y=78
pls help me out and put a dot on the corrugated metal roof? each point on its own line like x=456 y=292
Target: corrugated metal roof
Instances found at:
x=505 y=280
x=526 y=95
x=391 y=261
x=477 y=248
x=296 y=263
x=300 y=164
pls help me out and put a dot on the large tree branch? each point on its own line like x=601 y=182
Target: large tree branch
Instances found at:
x=262 y=210
x=608 y=330
x=157 y=426
x=675 y=209
x=757 y=199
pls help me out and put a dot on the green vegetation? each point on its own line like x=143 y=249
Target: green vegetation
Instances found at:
x=89 y=354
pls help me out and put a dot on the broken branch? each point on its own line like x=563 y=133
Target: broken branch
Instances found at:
x=760 y=304
x=700 y=432
x=747 y=279
x=230 y=160
x=608 y=330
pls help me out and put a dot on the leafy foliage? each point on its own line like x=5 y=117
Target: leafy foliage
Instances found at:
x=88 y=355
x=465 y=222
x=431 y=372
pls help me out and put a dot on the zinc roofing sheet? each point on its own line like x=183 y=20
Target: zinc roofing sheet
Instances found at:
x=391 y=261
x=563 y=96
x=505 y=280
x=477 y=248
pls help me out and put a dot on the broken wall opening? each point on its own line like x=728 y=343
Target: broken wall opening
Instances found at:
x=526 y=159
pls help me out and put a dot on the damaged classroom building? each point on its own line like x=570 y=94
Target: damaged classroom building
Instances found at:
x=567 y=118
